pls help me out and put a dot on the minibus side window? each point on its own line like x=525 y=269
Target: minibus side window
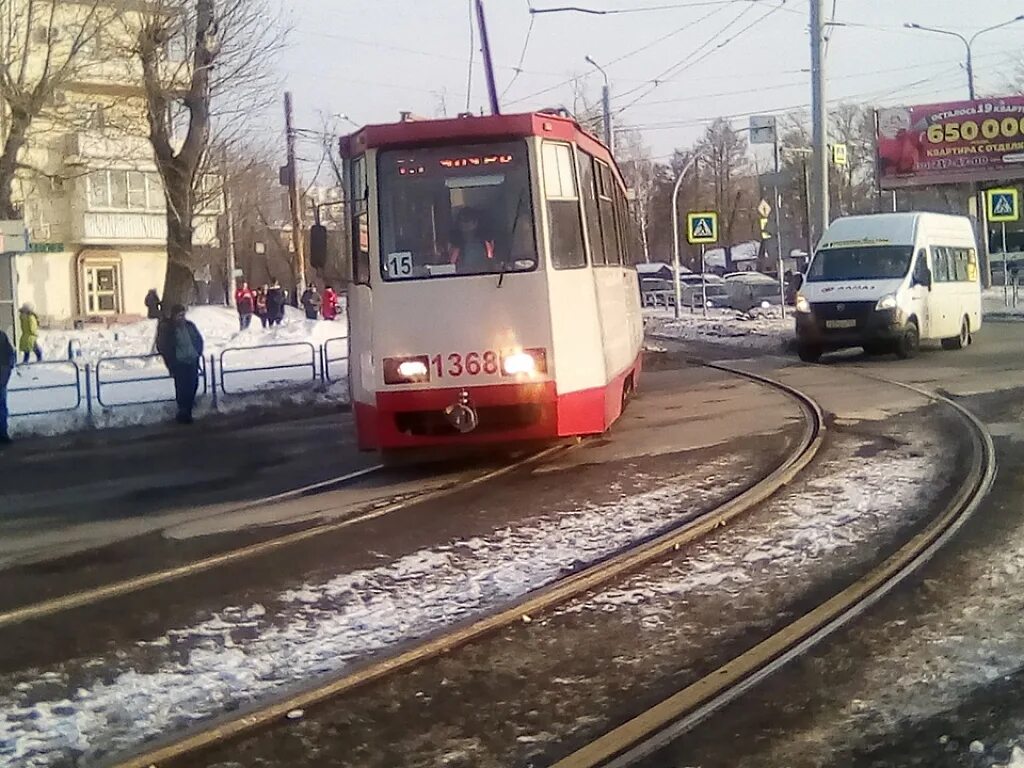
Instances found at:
x=921 y=268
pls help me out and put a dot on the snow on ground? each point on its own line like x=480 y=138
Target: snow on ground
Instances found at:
x=78 y=710
x=762 y=329
x=997 y=305
x=125 y=376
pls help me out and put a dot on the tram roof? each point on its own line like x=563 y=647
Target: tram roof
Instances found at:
x=412 y=133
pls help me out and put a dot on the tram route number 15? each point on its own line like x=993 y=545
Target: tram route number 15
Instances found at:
x=472 y=364
x=400 y=264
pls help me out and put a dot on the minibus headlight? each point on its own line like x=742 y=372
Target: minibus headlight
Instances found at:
x=406 y=370
x=524 y=363
x=885 y=303
x=803 y=306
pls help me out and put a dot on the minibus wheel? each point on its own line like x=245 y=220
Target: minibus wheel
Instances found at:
x=809 y=353
x=909 y=342
x=961 y=341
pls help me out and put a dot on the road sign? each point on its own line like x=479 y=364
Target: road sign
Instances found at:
x=702 y=228
x=840 y=155
x=764 y=209
x=1003 y=204
x=762 y=129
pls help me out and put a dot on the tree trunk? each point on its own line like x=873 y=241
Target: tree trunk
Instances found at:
x=178 y=282
x=9 y=164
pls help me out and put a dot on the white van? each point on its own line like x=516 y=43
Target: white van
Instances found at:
x=889 y=281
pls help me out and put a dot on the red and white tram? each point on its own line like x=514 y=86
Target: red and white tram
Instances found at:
x=493 y=296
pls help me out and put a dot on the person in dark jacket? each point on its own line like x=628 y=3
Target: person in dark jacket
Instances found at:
x=153 y=304
x=276 y=299
x=180 y=344
x=8 y=359
x=311 y=302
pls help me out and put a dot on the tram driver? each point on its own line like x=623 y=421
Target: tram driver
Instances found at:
x=470 y=251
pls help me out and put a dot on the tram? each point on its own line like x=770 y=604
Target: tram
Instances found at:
x=493 y=295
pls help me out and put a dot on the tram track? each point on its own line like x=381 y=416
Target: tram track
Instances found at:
x=637 y=556
x=123 y=587
x=645 y=734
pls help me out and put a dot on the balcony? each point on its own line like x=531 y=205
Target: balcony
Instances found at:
x=130 y=228
x=91 y=148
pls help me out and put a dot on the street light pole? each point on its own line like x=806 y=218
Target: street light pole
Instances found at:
x=606 y=103
x=675 y=233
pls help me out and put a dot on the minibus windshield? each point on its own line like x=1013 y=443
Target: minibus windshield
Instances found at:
x=874 y=262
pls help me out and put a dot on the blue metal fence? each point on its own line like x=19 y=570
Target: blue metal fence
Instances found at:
x=117 y=363
x=73 y=387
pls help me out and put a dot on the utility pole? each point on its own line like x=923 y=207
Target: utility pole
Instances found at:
x=778 y=221
x=294 y=202
x=230 y=210
x=606 y=105
x=819 y=175
x=485 y=49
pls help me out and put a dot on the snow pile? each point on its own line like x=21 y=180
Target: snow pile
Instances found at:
x=131 y=388
x=761 y=329
x=89 y=706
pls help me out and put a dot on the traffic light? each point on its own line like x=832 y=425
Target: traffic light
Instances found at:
x=766 y=232
x=318 y=246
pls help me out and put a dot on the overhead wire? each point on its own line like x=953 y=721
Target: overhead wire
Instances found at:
x=689 y=62
x=522 y=53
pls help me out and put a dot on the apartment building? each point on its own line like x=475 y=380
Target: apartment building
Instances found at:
x=92 y=199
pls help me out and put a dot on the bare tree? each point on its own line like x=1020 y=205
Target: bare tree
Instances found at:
x=205 y=70
x=44 y=46
x=724 y=157
x=634 y=158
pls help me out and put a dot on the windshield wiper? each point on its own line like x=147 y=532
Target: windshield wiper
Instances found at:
x=503 y=264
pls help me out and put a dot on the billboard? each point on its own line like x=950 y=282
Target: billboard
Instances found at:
x=958 y=141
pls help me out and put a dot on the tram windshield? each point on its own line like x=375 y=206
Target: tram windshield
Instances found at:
x=463 y=210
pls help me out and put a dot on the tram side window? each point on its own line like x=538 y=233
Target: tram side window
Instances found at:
x=609 y=230
x=588 y=183
x=360 y=222
x=563 y=207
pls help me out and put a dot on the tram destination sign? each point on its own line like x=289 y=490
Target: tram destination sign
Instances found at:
x=950 y=143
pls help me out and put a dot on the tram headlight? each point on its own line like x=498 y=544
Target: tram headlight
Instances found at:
x=524 y=363
x=406 y=370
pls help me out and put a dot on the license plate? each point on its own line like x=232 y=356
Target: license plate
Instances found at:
x=840 y=323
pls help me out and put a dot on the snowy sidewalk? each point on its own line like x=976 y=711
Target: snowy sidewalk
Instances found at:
x=299 y=362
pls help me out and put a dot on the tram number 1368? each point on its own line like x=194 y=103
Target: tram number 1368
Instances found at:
x=471 y=364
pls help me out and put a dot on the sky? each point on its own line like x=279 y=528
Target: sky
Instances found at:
x=371 y=59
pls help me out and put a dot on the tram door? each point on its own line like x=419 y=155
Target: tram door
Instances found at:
x=8 y=314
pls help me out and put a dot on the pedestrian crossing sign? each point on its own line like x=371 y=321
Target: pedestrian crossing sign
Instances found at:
x=702 y=228
x=1003 y=204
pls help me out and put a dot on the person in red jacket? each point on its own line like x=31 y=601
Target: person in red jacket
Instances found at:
x=245 y=300
x=329 y=308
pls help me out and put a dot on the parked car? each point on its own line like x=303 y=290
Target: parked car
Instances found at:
x=748 y=290
x=716 y=292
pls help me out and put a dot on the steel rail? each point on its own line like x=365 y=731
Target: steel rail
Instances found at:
x=666 y=721
x=246 y=722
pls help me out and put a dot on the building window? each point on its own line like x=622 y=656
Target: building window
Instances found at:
x=124 y=190
x=102 y=283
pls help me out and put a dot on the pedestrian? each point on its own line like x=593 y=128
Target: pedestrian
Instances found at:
x=276 y=299
x=28 y=344
x=8 y=359
x=330 y=303
x=245 y=301
x=311 y=302
x=260 y=304
x=180 y=344
x=153 y=304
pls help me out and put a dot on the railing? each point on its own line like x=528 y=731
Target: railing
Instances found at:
x=307 y=363
x=327 y=361
x=133 y=380
x=72 y=387
x=146 y=383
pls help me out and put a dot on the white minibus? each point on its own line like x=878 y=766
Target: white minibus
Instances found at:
x=886 y=282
